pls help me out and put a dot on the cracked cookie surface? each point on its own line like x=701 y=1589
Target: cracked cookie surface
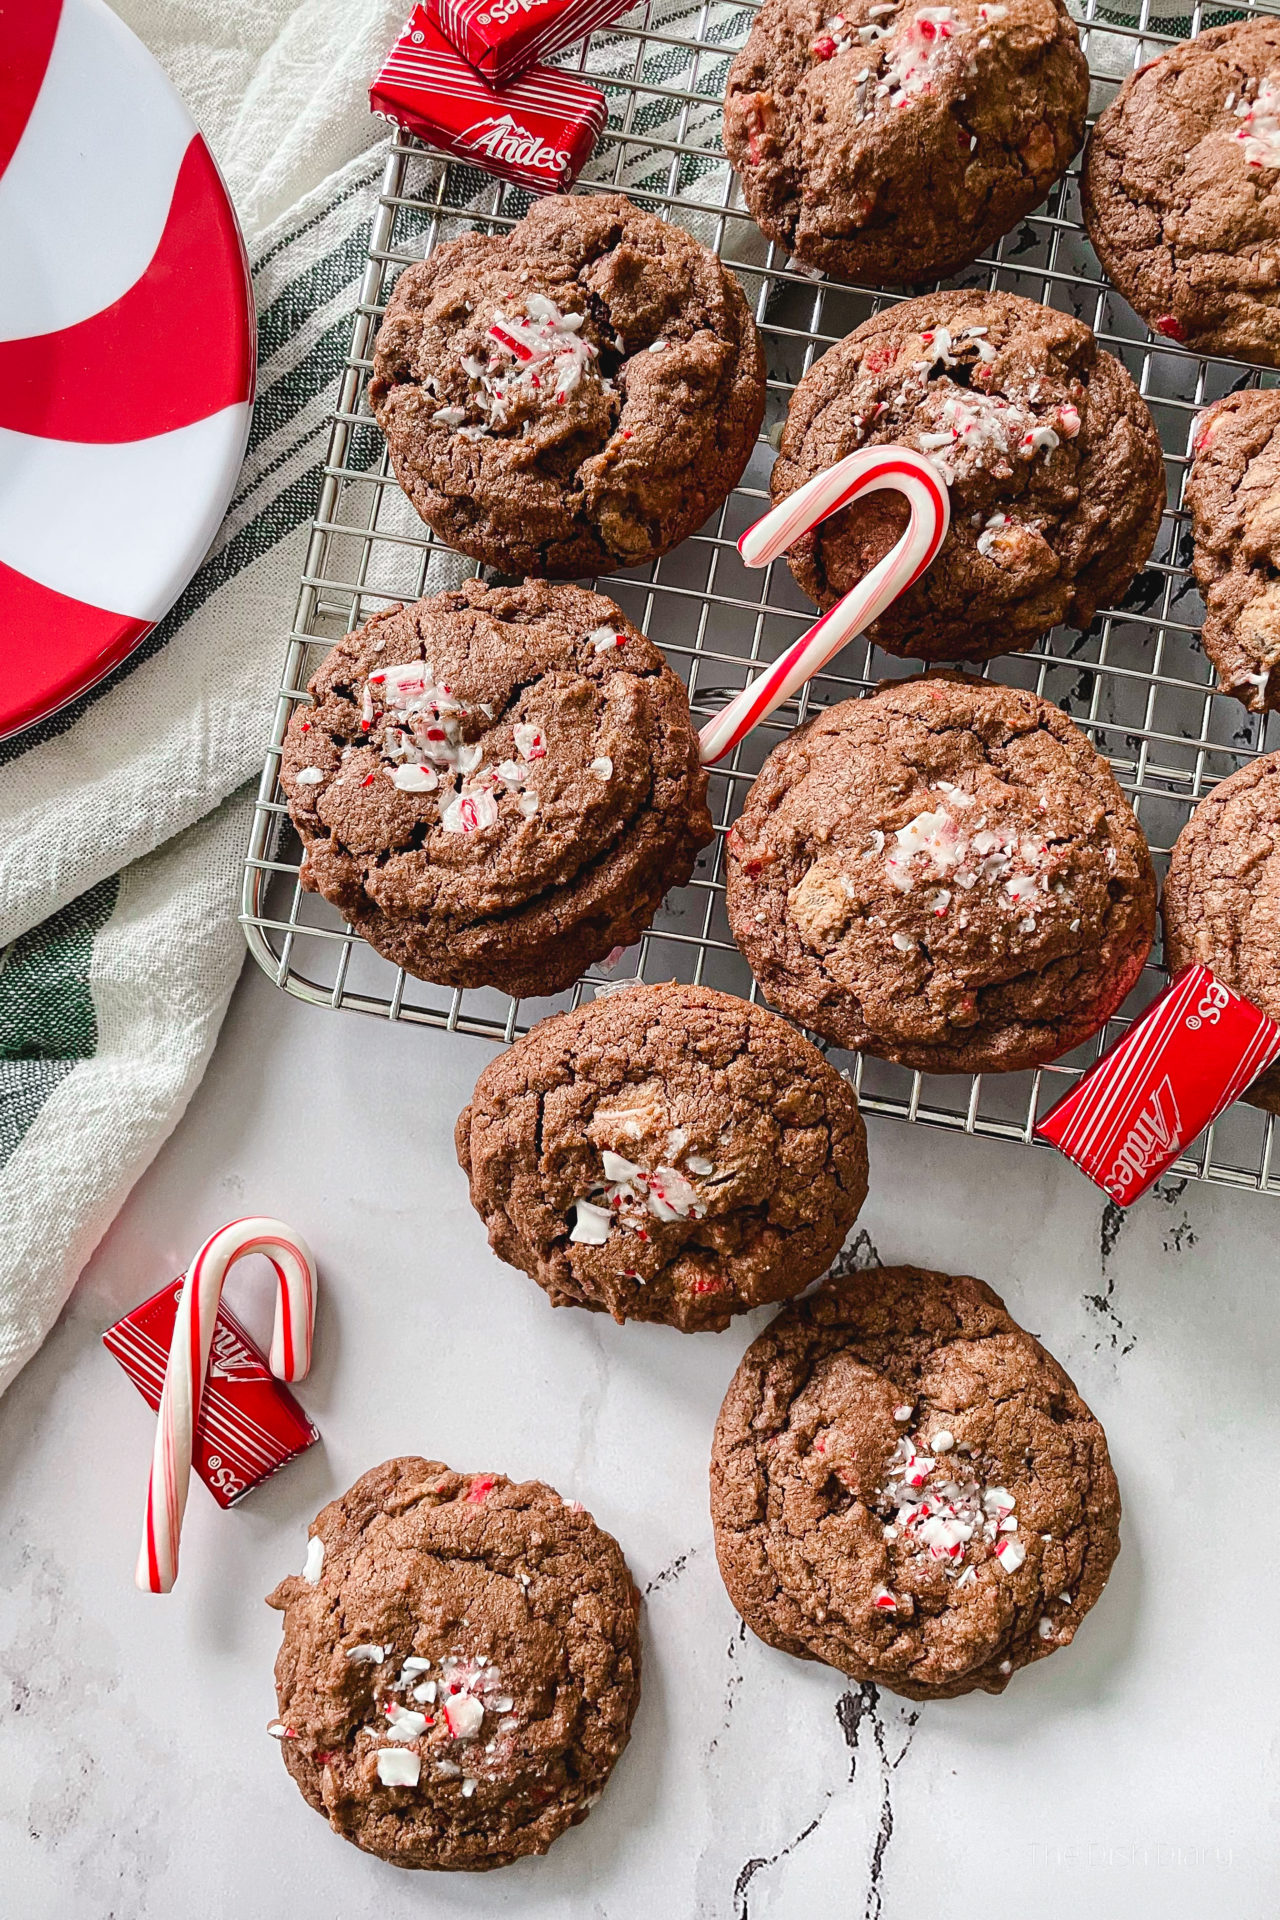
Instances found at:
x=1049 y=452
x=884 y=140
x=944 y=874
x=1221 y=902
x=665 y=1153
x=1233 y=491
x=459 y=1667
x=907 y=1487
x=577 y=395
x=1180 y=191
x=497 y=785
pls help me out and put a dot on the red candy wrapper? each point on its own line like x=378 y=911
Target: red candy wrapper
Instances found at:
x=500 y=38
x=539 y=133
x=250 y=1425
x=1179 y=1066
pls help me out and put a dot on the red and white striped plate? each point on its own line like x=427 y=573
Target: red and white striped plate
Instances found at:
x=127 y=350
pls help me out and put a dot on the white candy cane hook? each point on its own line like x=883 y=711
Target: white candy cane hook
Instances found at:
x=868 y=471
x=188 y=1364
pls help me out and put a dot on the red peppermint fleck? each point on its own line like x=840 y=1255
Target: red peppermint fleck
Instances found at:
x=321 y=1759
x=1170 y=325
x=879 y=358
x=824 y=47
x=480 y=1488
x=510 y=342
x=367 y=781
x=708 y=1286
x=306 y=726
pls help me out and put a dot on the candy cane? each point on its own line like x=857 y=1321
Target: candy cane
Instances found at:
x=868 y=471
x=188 y=1363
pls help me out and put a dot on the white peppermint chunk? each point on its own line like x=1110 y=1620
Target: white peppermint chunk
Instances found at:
x=399 y=1767
x=591 y=1224
x=314 y=1561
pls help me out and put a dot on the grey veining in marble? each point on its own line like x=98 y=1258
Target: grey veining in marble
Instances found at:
x=1136 y=1773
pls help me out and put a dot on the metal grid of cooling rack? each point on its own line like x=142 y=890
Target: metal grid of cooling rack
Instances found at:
x=1136 y=682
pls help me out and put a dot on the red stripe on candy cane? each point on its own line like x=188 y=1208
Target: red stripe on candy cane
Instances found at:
x=188 y=1365
x=869 y=470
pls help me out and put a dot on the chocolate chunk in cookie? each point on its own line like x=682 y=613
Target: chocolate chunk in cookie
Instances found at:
x=1181 y=191
x=666 y=1153
x=945 y=874
x=1221 y=902
x=1233 y=491
x=460 y=1665
x=1050 y=454
x=907 y=1487
x=497 y=785
x=576 y=395
x=894 y=142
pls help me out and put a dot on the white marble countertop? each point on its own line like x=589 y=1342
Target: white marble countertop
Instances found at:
x=1133 y=1774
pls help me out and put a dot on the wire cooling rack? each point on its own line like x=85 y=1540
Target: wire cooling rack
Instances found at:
x=1136 y=682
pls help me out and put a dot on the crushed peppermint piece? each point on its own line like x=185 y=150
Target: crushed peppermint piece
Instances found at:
x=425 y=1693
x=463 y=1715
x=1044 y=1627
x=1006 y=1666
x=904 y=943
x=368 y=1655
x=309 y=777
x=903 y=1412
x=883 y=1599
x=605 y=639
x=1010 y=1553
x=603 y=767
x=414 y=779
x=278 y=1730
x=469 y=813
x=314 y=1561
x=591 y=1224
x=941 y=1511
x=468 y=1788
x=1259 y=117
x=405 y=1723
x=528 y=804
x=531 y=741
x=399 y=1767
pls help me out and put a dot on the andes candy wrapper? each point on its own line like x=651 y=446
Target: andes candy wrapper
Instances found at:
x=1181 y=1064
x=500 y=38
x=249 y=1425
x=539 y=133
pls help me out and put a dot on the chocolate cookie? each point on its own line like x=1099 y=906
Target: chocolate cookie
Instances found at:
x=460 y=1664
x=894 y=141
x=576 y=395
x=1221 y=904
x=1051 y=457
x=497 y=785
x=945 y=874
x=665 y=1153
x=1181 y=191
x=1233 y=491
x=907 y=1487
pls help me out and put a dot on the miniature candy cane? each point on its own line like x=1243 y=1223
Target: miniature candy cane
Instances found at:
x=188 y=1363
x=868 y=471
